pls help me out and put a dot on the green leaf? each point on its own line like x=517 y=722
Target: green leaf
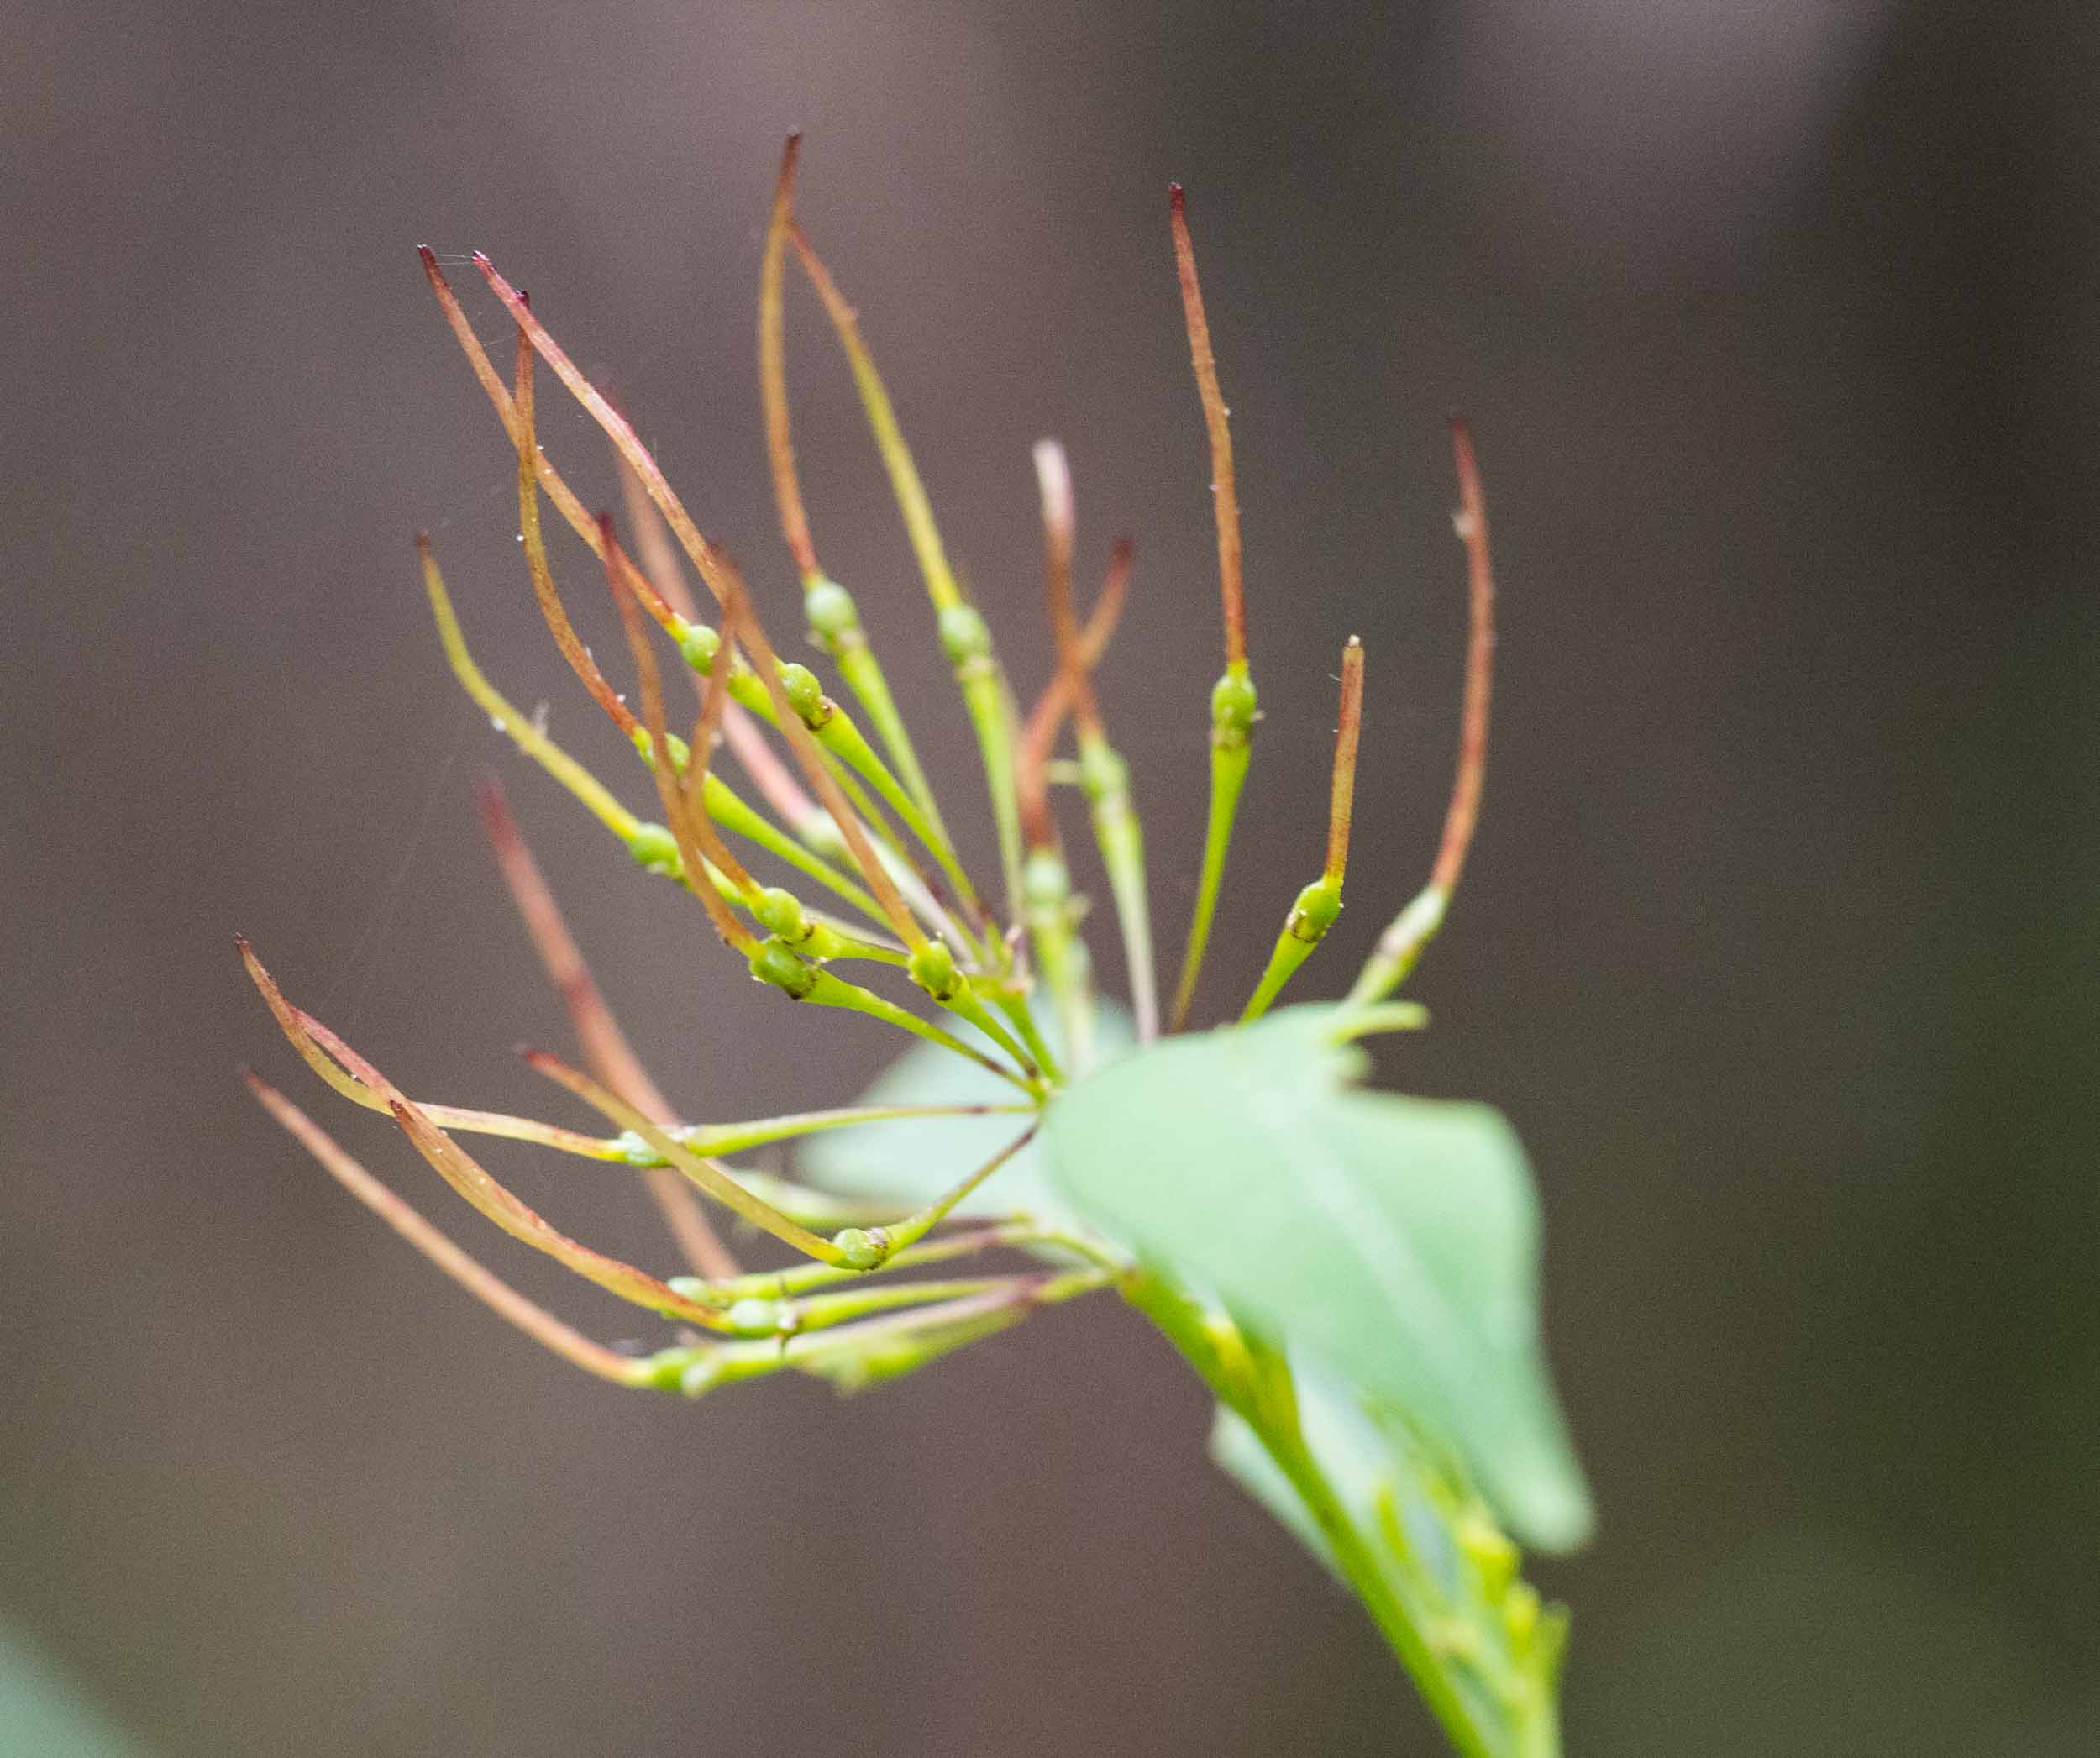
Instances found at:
x=43 y=1712
x=916 y=1159
x=1394 y=1241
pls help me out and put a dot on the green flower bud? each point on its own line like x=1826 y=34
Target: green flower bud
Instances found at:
x=654 y=848
x=865 y=1248
x=757 y=1318
x=775 y=961
x=699 y=644
x=1103 y=773
x=1045 y=881
x=1489 y=1549
x=834 y=617
x=1233 y=709
x=933 y=969
x=805 y=695
x=1315 y=912
x=963 y=635
x=704 y=1375
x=681 y=752
x=779 y=912
x=819 y=944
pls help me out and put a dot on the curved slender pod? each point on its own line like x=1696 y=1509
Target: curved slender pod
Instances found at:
x=1234 y=706
x=1400 y=948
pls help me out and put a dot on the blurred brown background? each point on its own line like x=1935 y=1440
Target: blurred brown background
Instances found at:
x=1777 y=325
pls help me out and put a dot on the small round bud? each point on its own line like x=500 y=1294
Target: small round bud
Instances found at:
x=963 y=635
x=819 y=944
x=775 y=961
x=1490 y=1550
x=1233 y=708
x=1045 y=881
x=654 y=848
x=933 y=969
x=832 y=615
x=864 y=1248
x=779 y=912
x=1102 y=772
x=1315 y=912
x=704 y=1375
x=806 y=696
x=1520 y=1614
x=699 y=644
x=755 y=1317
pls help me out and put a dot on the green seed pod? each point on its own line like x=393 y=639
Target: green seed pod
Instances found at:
x=1233 y=709
x=864 y=1248
x=963 y=635
x=774 y=961
x=699 y=644
x=933 y=969
x=834 y=619
x=655 y=848
x=805 y=695
x=779 y=913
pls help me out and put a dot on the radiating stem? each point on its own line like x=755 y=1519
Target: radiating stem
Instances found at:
x=1106 y=776
x=491 y=1290
x=834 y=620
x=963 y=635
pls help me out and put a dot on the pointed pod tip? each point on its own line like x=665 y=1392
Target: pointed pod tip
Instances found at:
x=1176 y=199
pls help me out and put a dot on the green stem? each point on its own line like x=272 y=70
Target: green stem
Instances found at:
x=835 y=626
x=1014 y=1004
x=1106 y=778
x=1401 y=946
x=1060 y=954
x=1255 y=1385
x=1229 y=759
x=839 y=736
x=1231 y=745
x=1303 y=928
